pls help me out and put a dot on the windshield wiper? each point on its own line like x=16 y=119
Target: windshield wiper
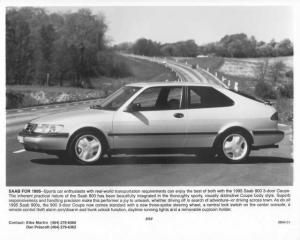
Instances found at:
x=96 y=106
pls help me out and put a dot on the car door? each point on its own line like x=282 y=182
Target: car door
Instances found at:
x=207 y=112
x=159 y=121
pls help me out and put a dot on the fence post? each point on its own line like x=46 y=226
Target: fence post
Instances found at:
x=236 y=86
x=48 y=76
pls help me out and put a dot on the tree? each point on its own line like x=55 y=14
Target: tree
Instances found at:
x=83 y=33
x=264 y=50
x=19 y=48
x=47 y=37
x=276 y=70
x=167 y=50
x=123 y=47
x=191 y=48
x=239 y=45
x=272 y=43
x=284 y=47
x=67 y=45
x=146 y=47
x=262 y=70
x=180 y=49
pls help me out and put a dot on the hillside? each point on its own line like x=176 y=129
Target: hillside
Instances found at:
x=244 y=71
x=18 y=96
x=241 y=70
x=248 y=67
x=141 y=71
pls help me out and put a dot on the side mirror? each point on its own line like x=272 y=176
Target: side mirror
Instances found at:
x=134 y=107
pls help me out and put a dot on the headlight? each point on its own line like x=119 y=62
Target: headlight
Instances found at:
x=48 y=128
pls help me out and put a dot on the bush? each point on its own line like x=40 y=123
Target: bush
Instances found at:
x=289 y=74
x=13 y=99
x=113 y=65
x=19 y=100
x=265 y=90
x=194 y=66
x=120 y=69
x=286 y=90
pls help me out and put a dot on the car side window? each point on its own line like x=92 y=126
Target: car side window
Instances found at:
x=174 y=99
x=194 y=98
x=148 y=98
x=160 y=98
x=207 y=97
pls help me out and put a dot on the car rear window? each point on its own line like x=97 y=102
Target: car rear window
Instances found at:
x=207 y=97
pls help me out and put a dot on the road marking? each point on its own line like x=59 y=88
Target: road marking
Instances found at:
x=19 y=151
x=33 y=109
x=45 y=107
x=282 y=125
x=57 y=106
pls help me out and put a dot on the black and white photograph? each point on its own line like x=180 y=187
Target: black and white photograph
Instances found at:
x=149 y=95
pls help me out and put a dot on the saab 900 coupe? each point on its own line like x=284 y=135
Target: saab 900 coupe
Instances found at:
x=168 y=117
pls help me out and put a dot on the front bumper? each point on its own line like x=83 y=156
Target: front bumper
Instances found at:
x=46 y=143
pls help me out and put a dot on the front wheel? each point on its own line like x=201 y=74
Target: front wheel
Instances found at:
x=86 y=148
x=234 y=147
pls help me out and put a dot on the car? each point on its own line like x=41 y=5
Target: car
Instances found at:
x=164 y=117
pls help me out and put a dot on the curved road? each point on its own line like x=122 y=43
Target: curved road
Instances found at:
x=265 y=167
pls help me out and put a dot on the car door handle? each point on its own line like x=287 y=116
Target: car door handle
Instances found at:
x=178 y=115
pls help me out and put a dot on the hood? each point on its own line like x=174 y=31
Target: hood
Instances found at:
x=77 y=116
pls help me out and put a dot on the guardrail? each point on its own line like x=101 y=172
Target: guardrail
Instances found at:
x=215 y=76
x=223 y=81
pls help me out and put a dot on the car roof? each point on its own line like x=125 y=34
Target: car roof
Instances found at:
x=171 y=83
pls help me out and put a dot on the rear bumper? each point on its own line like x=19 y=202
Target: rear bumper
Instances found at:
x=264 y=147
x=45 y=143
x=266 y=138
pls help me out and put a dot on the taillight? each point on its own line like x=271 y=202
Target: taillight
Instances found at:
x=274 y=117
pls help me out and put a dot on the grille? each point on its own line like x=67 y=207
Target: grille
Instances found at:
x=30 y=127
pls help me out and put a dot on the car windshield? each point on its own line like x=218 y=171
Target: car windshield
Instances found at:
x=117 y=99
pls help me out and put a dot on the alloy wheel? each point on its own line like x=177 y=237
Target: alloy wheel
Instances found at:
x=235 y=147
x=88 y=148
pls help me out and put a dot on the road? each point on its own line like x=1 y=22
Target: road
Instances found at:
x=264 y=167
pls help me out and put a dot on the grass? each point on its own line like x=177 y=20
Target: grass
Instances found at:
x=142 y=70
x=18 y=96
x=288 y=61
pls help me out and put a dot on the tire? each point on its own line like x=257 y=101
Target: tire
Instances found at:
x=87 y=147
x=234 y=146
x=62 y=156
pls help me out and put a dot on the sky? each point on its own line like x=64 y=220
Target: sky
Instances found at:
x=202 y=23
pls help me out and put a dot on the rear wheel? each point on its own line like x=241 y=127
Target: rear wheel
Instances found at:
x=86 y=147
x=234 y=147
